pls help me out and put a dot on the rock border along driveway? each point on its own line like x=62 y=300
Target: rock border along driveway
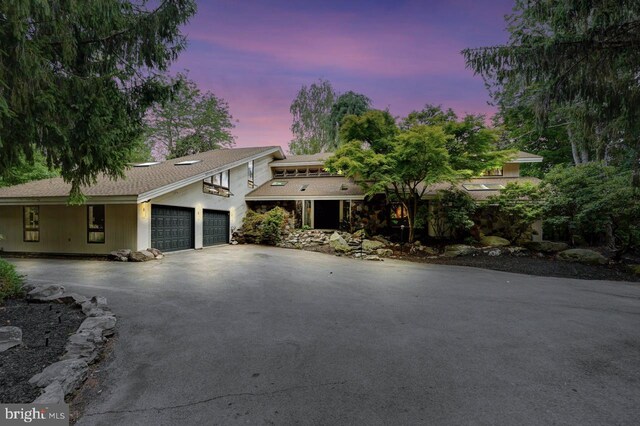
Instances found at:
x=63 y=377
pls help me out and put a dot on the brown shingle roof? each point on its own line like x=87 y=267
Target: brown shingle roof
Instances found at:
x=479 y=194
x=140 y=180
x=316 y=187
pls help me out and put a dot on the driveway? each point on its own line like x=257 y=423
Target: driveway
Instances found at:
x=257 y=335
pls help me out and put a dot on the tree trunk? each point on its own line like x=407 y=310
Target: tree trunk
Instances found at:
x=574 y=148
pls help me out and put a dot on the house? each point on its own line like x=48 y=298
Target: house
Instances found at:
x=318 y=199
x=198 y=200
x=185 y=203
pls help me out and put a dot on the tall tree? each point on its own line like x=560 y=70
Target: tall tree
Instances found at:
x=189 y=122
x=574 y=54
x=349 y=103
x=311 y=110
x=402 y=163
x=77 y=77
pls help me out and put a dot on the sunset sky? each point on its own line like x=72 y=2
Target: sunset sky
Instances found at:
x=402 y=54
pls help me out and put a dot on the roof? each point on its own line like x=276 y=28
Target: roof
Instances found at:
x=526 y=157
x=145 y=182
x=303 y=160
x=479 y=195
x=320 y=158
x=315 y=187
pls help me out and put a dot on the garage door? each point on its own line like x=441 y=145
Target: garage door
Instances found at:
x=172 y=228
x=215 y=227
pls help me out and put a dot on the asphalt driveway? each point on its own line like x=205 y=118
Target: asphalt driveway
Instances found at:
x=256 y=335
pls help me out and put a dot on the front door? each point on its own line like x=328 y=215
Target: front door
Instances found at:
x=326 y=214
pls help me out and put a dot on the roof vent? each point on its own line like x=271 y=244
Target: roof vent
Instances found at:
x=147 y=164
x=344 y=187
x=187 y=163
x=303 y=187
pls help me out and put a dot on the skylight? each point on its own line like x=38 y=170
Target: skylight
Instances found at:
x=187 y=162
x=278 y=183
x=147 y=164
x=483 y=186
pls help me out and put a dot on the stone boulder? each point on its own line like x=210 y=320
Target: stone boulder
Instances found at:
x=69 y=373
x=9 y=337
x=459 y=250
x=83 y=345
x=141 y=256
x=585 y=256
x=339 y=244
x=370 y=245
x=46 y=293
x=121 y=255
x=494 y=241
x=156 y=253
x=546 y=246
x=384 y=252
x=373 y=257
x=102 y=325
x=53 y=394
x=381 y=239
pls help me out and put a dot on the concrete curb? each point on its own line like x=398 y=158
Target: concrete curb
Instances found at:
x=83 y=347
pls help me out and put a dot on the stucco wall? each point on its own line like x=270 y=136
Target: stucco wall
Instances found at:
x=63 y=229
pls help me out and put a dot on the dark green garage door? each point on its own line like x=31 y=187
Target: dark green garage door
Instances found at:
x=215 y=227
x=172 y=228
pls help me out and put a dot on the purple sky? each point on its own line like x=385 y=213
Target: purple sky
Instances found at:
x=402 y=54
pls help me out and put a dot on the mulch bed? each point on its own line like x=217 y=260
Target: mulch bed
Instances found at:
x=38 y=322
x=545 y=266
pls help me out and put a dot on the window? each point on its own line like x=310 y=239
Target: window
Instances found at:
x=398 y=214
x=217 y=184
x=95 y=224
x=483 y=186
x=31 y=224
x=493 y=172
x=250 y=173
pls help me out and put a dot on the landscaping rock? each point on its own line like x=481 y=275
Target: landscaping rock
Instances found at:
x=46 y=293
x=370 y=245
x=155 y=252
x=360 y=233
x=585 y=256
x=494 y=252
x=141 y=256
x=339 y=244
x=381 y=239
x=494 y=241
x=53 y=394
x=383 y=252
x=69 y=373
x=372 y=257
x=9 y=337
x=102 y=325
x=114 y=255
x=546 y=246
x=83 y=345
x=458 y=250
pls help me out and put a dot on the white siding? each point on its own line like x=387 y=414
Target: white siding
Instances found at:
x=193 y=196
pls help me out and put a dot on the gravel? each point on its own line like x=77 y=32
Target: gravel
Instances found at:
x=37 y=321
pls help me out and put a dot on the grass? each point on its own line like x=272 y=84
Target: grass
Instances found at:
x=10 y=281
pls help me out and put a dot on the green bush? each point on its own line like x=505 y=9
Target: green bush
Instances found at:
x=518 y=206
x=593 y=203
x=264 y=228
x=273 y=226
x=10 y=281
x=450 y=216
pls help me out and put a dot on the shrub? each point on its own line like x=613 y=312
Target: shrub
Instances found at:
x=273 y=226
x=594 y=203
x=10 y=281
x=451 y=213
x=264 y=228
x=518 y=206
